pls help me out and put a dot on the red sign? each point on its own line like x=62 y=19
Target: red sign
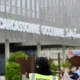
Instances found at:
x=74 y=52
x=70 y=53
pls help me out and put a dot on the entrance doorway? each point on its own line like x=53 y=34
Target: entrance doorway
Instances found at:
x=2 y=59
x=2 y=65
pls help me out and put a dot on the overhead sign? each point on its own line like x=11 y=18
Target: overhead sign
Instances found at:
x=13 y=25
x=71 y=53
x=74 y=52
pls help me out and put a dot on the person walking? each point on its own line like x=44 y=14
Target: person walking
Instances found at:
x=66 y=75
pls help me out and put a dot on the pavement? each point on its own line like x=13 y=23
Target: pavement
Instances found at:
x=3 y=78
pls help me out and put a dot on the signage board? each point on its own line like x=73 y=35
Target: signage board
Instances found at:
x=74 y=52
x=71 y=53
x=13 y=25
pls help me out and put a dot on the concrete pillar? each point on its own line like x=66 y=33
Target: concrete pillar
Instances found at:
x=63 y=53
x=38 y=49
x=6 y=50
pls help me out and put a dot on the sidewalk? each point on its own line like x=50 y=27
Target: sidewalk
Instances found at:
x=2 y=77
x=24 y=77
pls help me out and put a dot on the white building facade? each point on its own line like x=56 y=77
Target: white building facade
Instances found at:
x=39 y=22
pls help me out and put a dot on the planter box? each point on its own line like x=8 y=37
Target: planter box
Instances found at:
x=27 y=66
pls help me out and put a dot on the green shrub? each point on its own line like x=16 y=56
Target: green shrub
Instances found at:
x=54 y=68
x=12 y=68
x=16 y=55
x=66 y=64
x=13 y=71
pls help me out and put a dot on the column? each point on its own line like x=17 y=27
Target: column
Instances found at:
x=38 y=49
x=7 y=53
x=63 y=53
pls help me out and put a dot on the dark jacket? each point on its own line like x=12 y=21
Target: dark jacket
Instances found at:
x=74 y=76
x=43 y=66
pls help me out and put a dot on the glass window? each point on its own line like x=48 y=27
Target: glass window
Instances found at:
x=46 y=3
x=49 y=3
x=8 y=2
x=33 y=14
x=23 y=12
x=2 y=1
x=37 y=15
x=13 y=2
x=41 y=3
x=61 y=3
x=18 y=11
x=67 y=1
x=28 y=13
x=74 y=1
x=23 y=4
x=64 y=1
x=32 y=5
x=18 y=3
x=8 y=9
x=53 y=1
x=37 y=6
x=71 y=2
x=2 y=8
x=28 y=4
x=13 y=10
x=57 y=1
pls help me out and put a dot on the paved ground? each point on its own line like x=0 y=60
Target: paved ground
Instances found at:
x=3 y=78
x=25 y=79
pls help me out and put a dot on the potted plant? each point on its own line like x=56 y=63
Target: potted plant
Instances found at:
x=13 y=71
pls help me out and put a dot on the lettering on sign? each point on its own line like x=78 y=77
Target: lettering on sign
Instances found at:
x=14 y=25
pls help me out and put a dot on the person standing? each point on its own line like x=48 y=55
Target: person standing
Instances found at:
x=65 y=75
x=42 y=71
x=42 y=66
x=78 y=71
x=73 y=74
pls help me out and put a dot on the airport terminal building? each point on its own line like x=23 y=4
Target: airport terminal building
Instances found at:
x=36 y=25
